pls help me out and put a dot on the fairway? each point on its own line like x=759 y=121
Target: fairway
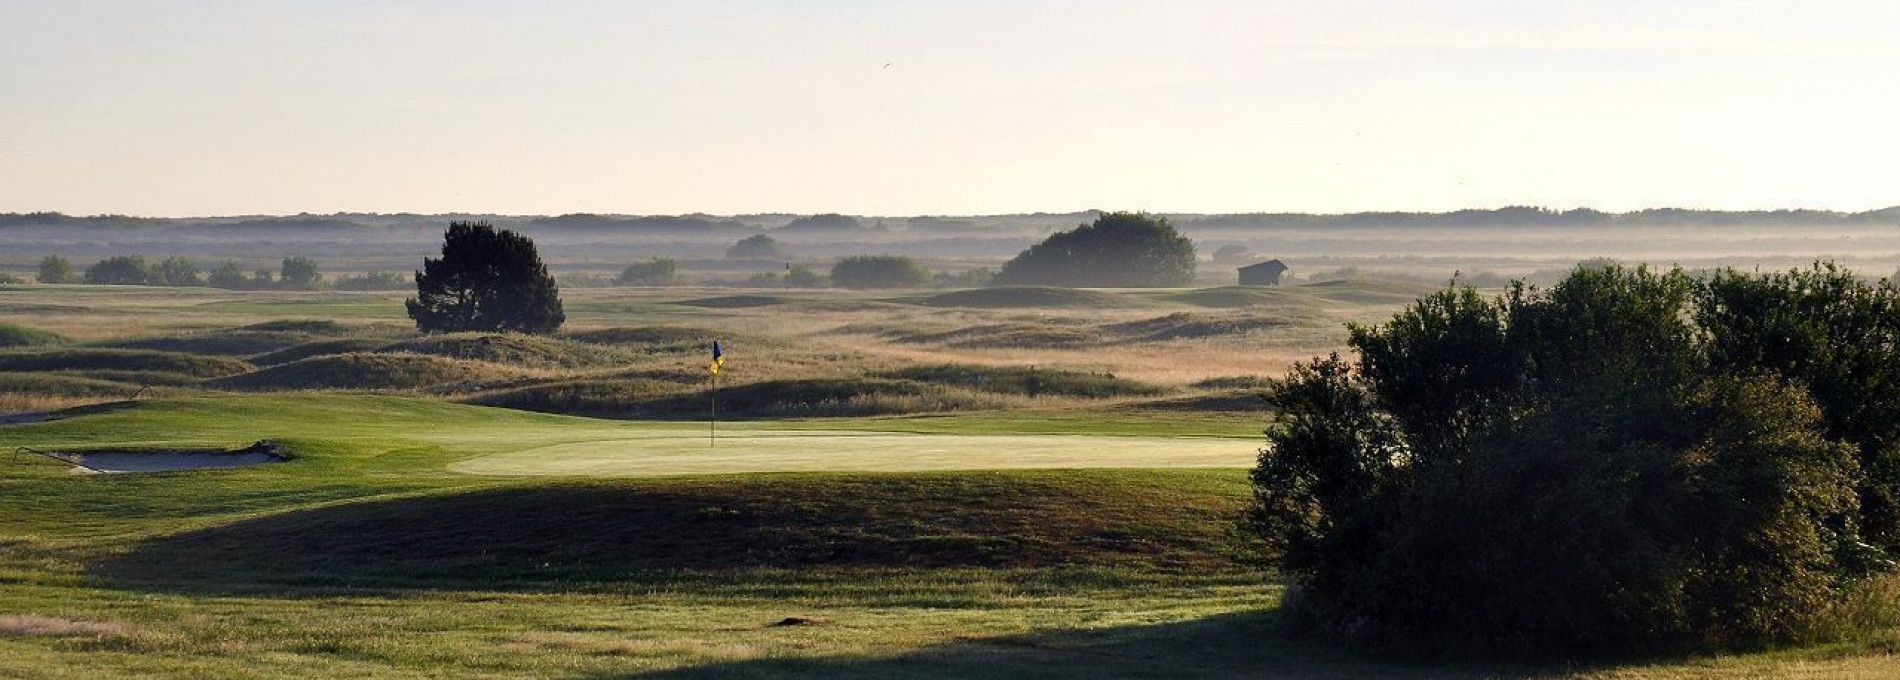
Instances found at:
x=673 y=453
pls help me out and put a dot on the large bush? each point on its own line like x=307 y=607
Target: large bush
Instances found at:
x=1574 y=469
x=879 y=271
x=123 y=270
x=1118 y=250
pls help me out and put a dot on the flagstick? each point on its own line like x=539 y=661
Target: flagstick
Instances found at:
x=712 y=426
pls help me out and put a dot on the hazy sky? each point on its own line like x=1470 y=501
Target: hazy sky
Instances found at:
x=179 y=108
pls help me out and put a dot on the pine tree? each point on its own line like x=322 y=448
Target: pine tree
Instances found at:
x=486 y=280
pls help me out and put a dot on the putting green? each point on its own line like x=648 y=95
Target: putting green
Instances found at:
x=843 y=450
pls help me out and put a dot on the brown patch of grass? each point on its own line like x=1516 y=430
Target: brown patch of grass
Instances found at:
x=27 y=625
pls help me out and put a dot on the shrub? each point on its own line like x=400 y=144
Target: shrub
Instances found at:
x=374 y=281
x=299 y=273
x=175 y=271
x=56 y=269
x=760 y=247
x=658 y=271
x=1117 y=250
x=879 y=271
x=1835 y=334
x=228 y=275
x=123 y=270
x=1557 y=471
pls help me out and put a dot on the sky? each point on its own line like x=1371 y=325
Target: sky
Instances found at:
x=176 y=108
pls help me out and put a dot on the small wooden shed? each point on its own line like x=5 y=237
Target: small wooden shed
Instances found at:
x=1264 y=274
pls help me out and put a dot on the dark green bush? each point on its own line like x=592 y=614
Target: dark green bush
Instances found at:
x=879 y=271
x=1560 y=471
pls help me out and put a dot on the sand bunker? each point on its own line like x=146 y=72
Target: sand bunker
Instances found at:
x=113 y=462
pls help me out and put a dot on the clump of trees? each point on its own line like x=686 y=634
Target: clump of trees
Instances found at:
x=795 y=276
x=486 y=280
x=760 y=247
x=297 y=273
x=56 y=269
x=1627 y=461
x=373 y=281
x=658 y=271
x=1117 y=250
x=879 y=271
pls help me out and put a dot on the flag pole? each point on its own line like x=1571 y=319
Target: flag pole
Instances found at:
x=712 y=425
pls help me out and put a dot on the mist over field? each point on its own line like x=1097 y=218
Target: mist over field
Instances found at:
x=1492 y=243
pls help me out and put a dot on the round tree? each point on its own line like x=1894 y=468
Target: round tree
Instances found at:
x=760 y=247
x=486 y=280
x=1118 y=250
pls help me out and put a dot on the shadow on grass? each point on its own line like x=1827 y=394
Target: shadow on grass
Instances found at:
x=553 y=535
x=1243 y=645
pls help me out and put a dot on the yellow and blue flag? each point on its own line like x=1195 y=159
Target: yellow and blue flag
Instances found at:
x=718 y=360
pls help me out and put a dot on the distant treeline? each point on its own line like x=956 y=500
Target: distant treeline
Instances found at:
x=1512 y=216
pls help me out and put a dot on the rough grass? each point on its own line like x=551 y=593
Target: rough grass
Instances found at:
x=227 y=343
x=29 y=625
x=796 y=398
x=15 y=335
x=319 y=348
x=1009 y=335
x=64 y=385
x=512 y=349
x=1023 y=380
x=734 y=301
x=1186 y=325
x=367 y=371
x=605 y=397
x=106 y=359
x=1007 y=297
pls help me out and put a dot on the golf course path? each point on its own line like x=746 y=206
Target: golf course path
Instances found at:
x=857 y=451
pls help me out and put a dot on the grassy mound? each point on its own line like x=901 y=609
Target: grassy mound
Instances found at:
x=1026 y=381
x=241 y=341
x=643 y=398
x=1235 y=296
x=139 y=378
x=64 y=385
x=604 y=531
x=310 y=326
x=592 y=397
x=1008 y=335
x=15 y=335
x=512 y=349
x=1026 y=296
x=366 y=371
x=109 y=359
x=734 y=301
x=1186 y=326
x=655 y=340
x=225 y=343
x=319 y=348
x=1233 y=382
